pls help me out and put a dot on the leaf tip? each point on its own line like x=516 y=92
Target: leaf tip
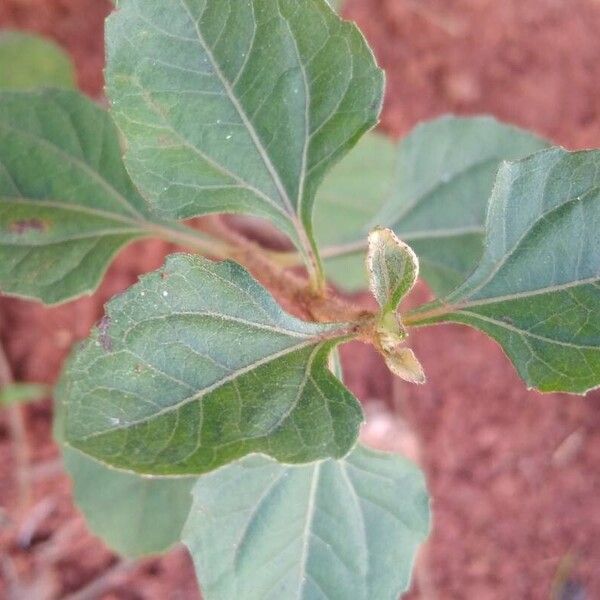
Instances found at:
x=403 y=363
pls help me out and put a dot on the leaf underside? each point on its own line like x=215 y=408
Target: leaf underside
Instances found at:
x=537 y=288
x=238 y=105
x=335 y=530
x=134 y=515
x=196 y=366
x=66 y=203
x=431 y=189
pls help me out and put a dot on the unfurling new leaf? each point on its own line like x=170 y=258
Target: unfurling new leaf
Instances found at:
x=343 y=529
x=196 y=366
x=537 y=288
x=393 y=271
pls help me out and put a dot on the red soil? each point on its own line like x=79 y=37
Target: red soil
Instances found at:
x=514 y=475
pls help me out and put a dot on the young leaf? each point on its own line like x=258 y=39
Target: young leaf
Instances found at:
x=401 y=361
x=196 y=366
x=435 y=198
x=537 y=288
x=22 y=393
x=66 y=202
x=238 y=106
x=28 y=62
x=134 y=515
x=337 y=529
x=393 y=269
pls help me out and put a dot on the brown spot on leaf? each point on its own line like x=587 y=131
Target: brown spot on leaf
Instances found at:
x=105 y=339
x=26 y=225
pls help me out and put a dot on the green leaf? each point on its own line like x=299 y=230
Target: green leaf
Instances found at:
x=22 y=393
x=28 y=62
x=537 y=288
x=435 y=198
x=135 y=516
x=334 y=530
x=238 y=106
x=196 y=366
x=66 y=203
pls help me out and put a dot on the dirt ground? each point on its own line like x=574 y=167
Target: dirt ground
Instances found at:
x=514 y=475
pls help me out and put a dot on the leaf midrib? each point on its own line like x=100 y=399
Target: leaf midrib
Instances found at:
x=306 y=533
x=340 y=250
x=204 y=391
x=222 y=317
x=418 y=200
x=242 y=114
x=502 y=261
x=526 y=333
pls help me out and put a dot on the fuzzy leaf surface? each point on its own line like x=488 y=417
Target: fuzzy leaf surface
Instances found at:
x=333 y=530
x=393 y=269
x=537 y=288
x=67 y=204
x=238 y=105
x=29 y=61
x=197 y=366
x=431 y=188
x=134 y=515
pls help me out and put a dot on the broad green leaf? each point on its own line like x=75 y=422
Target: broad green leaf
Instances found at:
x=22 y=393
x=28 y=62
x=434 y=198
x=133 y=515
x=393 y=269
x=238 y=105
x=196 y=366
x=537 y=288
x=66 y=203
x=334 y=530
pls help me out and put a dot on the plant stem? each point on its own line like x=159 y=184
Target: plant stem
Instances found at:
x=18 y=433
x=316 y=276
x=191 y=238
x=271 y=268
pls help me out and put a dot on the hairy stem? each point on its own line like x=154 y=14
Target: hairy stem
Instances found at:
x=308 y=298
